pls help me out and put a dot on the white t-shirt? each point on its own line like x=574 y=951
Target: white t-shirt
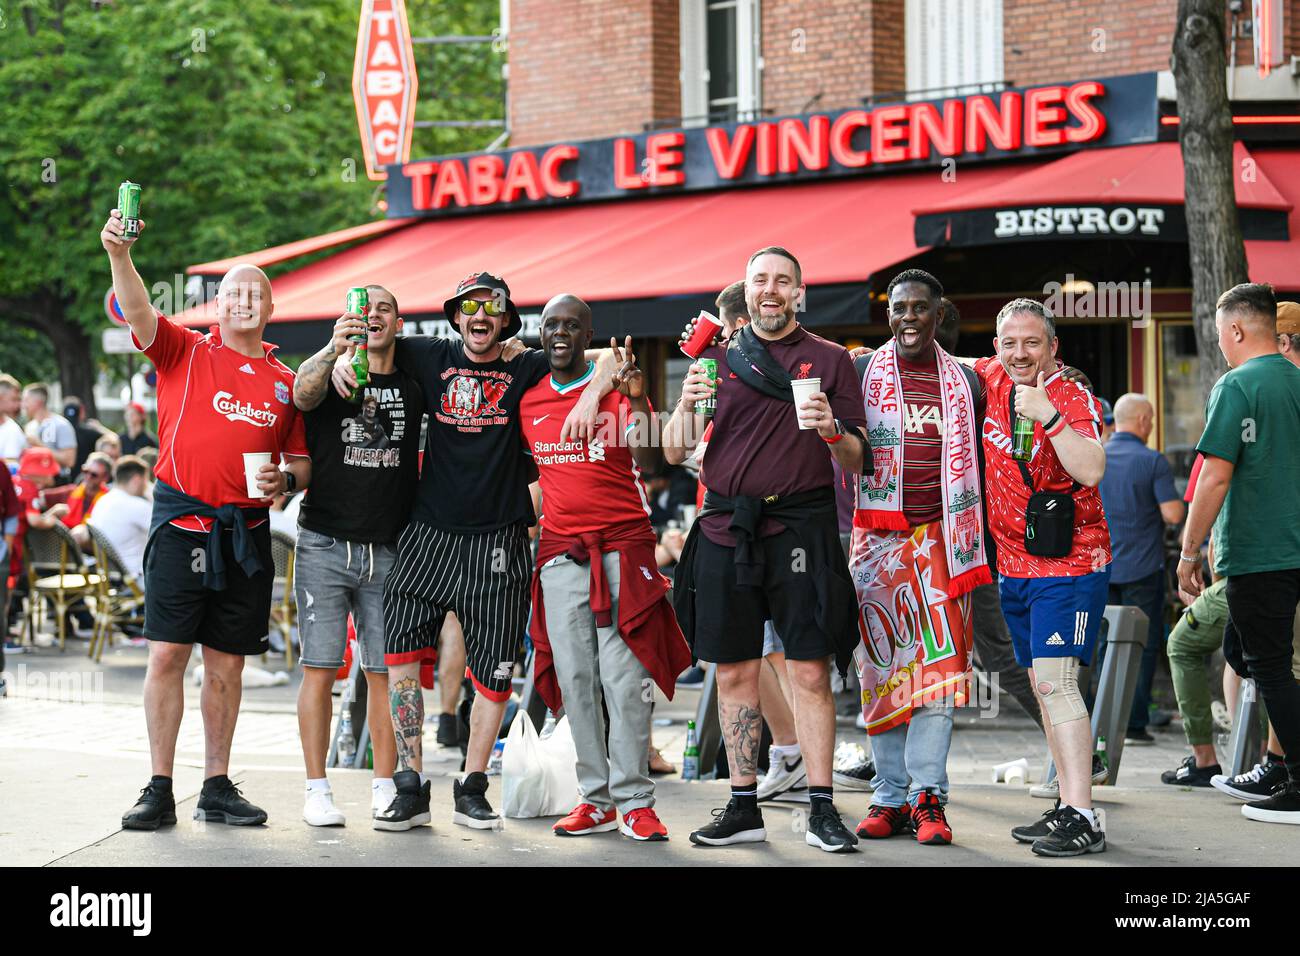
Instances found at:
x=124 y=519
x=12 y=439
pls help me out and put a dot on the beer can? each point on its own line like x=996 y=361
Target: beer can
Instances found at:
x=128 y=204
x=706 y=406
x=358 y=304
x=1022 y=439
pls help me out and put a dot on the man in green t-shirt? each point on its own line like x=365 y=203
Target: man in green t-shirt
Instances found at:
x=1247 y=489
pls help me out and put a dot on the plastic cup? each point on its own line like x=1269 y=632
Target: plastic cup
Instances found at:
x=804 y=388
x=253 y=460
x=706 y=327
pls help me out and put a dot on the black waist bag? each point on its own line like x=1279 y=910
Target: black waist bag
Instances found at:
x=1049 y=517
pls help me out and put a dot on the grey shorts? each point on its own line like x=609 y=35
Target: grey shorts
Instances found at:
x=331 y=579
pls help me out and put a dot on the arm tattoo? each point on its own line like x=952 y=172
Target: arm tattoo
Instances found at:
x=742 y=728
x=407 y=706
x=313 y=379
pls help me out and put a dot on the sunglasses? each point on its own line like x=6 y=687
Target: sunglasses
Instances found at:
x=101 y=475
x=471 y=307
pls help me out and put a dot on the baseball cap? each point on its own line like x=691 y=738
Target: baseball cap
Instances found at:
x=1107 y=413
x=484 y=280
x=137 y=406
x=1288 y=318
x=38 y=461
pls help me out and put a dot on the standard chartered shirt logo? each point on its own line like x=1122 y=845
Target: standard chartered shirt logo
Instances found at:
x=226 y=404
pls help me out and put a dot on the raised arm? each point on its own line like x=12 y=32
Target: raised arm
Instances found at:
x=685 y=428
x=1082 y=457
x=630 y=382
x=313 y=379
x=132 y=295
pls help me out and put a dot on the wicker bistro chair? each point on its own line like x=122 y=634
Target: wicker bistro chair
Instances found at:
x=119 y=597
x=55 y=572
x=282 y=599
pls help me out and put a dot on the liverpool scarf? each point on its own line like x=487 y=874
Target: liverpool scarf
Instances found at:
x=879 y=504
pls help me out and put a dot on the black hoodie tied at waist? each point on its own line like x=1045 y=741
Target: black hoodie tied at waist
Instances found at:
x=171 y=503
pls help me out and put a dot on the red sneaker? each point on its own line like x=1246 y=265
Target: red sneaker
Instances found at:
x=884 y=822
x=585 y=819
x=643 y=824
x=930 y=823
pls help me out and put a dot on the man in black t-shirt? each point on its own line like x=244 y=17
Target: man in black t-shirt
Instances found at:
x=365 y=465
x=466 y=547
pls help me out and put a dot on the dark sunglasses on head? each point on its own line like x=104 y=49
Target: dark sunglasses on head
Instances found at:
x=471 y=306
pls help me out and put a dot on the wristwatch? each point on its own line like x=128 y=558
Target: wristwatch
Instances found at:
x=839 y=433
x=1189 y=558
x=290 y=482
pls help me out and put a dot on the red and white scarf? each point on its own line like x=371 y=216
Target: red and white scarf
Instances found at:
x=879 y=504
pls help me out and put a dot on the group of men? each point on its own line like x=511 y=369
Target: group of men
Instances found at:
x=926 y=440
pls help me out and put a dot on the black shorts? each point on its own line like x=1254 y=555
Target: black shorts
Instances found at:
x=178 y=609
x=729 y=620
x=484 y=578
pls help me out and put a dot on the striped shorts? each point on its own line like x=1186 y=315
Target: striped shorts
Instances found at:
x=484 y=578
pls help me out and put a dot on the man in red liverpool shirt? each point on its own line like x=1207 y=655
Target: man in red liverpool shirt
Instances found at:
x=207 y=568
x=601 y=616
x=1053 y=603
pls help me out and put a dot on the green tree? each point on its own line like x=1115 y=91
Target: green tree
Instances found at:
x=236 y=116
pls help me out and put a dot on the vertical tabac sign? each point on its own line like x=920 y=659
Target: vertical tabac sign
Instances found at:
x=383 y=84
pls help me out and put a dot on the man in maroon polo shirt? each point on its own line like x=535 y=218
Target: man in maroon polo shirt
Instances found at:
x=766 y=546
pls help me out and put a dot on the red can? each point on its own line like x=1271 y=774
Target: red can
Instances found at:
x=707 y=328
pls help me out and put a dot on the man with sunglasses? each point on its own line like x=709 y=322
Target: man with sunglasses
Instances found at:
x=466 y=547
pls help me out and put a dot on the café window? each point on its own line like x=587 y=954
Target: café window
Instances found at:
x=953 y=47
x=1182 y=400
x=720 y=61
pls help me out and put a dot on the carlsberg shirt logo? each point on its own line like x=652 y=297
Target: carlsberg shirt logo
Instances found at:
x=225 y=404
x=74 y=909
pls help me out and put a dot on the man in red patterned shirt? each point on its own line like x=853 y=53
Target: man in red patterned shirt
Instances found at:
x=207 y=566
x=1053 y=602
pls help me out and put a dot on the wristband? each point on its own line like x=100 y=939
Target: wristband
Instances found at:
x=1051 y=422
x=831 y=441
x=1190 y=559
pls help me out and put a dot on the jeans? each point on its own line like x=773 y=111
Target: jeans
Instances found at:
x=1148 y=595
x=1261 y=612
x=913 y=757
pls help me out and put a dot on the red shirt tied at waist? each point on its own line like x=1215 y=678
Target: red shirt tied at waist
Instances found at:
x=646 y=620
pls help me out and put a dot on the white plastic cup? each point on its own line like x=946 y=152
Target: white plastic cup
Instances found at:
x=253 y=460
x=1003 y=772
x=804 y=388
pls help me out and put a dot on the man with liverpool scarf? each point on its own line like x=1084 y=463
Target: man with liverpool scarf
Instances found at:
x=917 y=552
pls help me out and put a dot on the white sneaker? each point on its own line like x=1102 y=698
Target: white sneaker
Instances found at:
x=381 y=798
x=319 y=810
x=783 y=774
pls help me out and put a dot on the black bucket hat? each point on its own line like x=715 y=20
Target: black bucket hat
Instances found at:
x=484 y=280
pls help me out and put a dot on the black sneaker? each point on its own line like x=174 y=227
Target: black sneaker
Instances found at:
x=1072 y=835
x=1039 y=828
x=155 y=808
x=448 y=731
x=1255 y=784
x=472 y=807
x=1282 y=807
x=730 y=825
x=827 y=831
x=1138 y=738
x=221 y=802
x=1187 y=774
x=856 y=777
x=410 y=807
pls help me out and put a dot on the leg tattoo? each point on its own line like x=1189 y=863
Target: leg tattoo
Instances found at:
x=742 y=728
x=407 y=706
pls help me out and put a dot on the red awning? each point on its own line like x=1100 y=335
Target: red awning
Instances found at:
x=1150 y=174
x=303 y=247
x=1278 y=263
x=842 y=231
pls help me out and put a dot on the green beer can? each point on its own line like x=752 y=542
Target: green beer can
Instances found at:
x=128 y=204
x=706 y=406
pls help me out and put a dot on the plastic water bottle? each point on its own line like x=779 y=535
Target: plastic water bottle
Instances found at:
x=347 y=739
x=691 y=755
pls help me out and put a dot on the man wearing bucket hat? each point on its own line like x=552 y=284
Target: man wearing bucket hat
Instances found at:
x=466 y=547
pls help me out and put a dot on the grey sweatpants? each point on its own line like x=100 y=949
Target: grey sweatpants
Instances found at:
x=589 y=662
x=993 y=644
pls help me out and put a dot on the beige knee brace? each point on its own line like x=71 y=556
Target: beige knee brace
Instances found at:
x=1056 y=681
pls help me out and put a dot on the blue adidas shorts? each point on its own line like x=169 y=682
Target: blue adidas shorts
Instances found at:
x=1054 y=617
